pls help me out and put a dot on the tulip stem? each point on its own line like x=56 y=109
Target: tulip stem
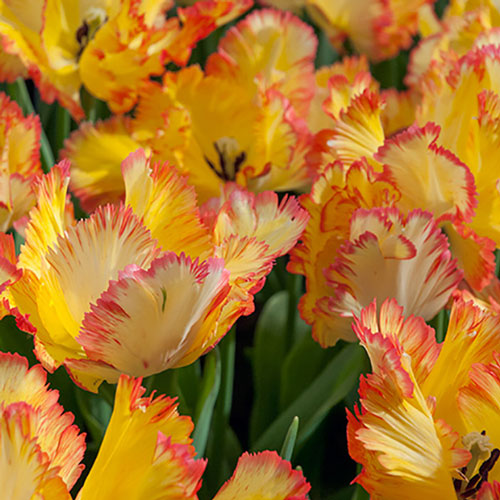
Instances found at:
x=222 y=411
x=88 y=104
x=206 y=402
x=63 y=125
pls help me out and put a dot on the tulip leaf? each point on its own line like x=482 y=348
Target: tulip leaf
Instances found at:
x=96 y=412
x=14 y=340
x=189 y=383
x=311 y=358
x=360 y=493
x=206 y=402
x=314 y=404
x=290 y=438
x=268 y=354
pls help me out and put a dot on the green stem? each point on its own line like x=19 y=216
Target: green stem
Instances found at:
x=19 y=92
x=63 y=124
x=228 y=350
x=206 y=402
x=89 y=105
x=224 y=404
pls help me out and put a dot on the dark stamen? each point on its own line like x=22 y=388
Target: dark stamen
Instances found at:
x=228 y=165
x=212 y=166
x=475 y=483
x=222 y=161
x=489 y=464
x=82 y=32
x=239 y=161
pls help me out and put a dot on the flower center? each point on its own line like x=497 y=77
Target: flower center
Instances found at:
x=475 y=473
x=230 y=158
x=94 y=19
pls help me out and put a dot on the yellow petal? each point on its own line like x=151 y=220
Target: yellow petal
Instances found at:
x=427 y=175
x=148 y=320
x=479 y=404
x=400 y=445
x=11 y=67
x=80 y=267
x=96 y=152
x=25 y=471
x=264 y=476
x=471 y=338
x=359 y=131
x=347 y=70
x=50 y=426
x=269 y=49
x=47 y=220
x=146 y=452
x=475 y=255
x=167 y=206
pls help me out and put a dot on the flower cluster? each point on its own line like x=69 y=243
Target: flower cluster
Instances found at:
x=146 y=451
x=184 y=132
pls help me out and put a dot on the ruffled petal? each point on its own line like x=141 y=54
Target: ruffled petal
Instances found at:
x=427 y=175
x=472 y=336
x=375 y=264
x=145 y=322
x=269 y=49
x=146 y=451
x=96 y=152
x=266 y=476
x=48 y=218
x=25 y=471
x=166 y=204
x=79 y=268
x=53 y=429
x=394 y=436
x=416 y=338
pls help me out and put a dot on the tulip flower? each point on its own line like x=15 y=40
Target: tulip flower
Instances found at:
x=428 y=417
x=144 y=286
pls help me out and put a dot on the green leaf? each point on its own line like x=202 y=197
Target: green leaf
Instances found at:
x=167 y=383
x=314 y=404
x=189 y=383
x=206 y=402
x=326 y=54
x=311 y=358
x=268 y=355
x=96 y=412
x=14 y=340
x=440 y=324
x=220 y=431
x=360 y=493
x=290 y=438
